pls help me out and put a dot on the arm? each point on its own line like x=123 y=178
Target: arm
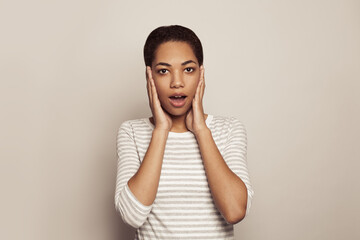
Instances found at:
x=145 y=182
x=132 y=211
x=228 y=191
x=136 y=183
x=231 y=195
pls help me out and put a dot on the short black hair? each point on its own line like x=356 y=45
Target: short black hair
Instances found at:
x=175 y=33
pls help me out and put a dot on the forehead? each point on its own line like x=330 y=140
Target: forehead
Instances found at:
x=174 y=52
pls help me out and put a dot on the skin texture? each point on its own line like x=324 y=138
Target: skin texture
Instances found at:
x=227 y=189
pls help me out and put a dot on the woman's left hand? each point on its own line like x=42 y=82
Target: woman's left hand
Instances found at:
x=195 y=119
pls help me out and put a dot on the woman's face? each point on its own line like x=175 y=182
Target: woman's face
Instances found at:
x=175 y=71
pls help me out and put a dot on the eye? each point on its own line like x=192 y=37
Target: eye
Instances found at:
x=163 y=71
x=189 y=69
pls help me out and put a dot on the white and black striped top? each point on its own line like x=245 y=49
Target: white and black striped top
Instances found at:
x=183 y=207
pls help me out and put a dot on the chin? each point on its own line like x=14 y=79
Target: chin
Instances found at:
x=177 y=112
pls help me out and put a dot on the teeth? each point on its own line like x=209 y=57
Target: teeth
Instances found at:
x=177 y=96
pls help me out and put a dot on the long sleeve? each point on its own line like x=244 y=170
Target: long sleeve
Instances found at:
x=132 y=211
x=235 y=155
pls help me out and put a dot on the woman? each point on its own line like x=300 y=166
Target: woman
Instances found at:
x=182 y=174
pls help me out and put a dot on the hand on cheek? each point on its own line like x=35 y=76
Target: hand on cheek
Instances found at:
x=162 y=119
x=195 y=119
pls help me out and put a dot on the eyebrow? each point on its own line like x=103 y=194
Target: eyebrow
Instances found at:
x=169 y=65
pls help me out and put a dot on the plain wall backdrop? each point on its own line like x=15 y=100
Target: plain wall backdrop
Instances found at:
x=72 y=71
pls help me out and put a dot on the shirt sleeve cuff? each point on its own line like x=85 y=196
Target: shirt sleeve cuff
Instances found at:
x=140 y=207
x=250 y=195
x=132 y=211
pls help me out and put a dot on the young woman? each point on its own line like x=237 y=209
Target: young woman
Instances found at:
x=182 y=174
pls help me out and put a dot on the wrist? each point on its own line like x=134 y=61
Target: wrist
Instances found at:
x=158 y=130
x=201 y=132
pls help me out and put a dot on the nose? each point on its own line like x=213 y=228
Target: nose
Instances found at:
x=177 y=80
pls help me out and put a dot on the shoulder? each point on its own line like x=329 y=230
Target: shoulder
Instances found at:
x=227 y=123
x=132 y=122
x=132 y=125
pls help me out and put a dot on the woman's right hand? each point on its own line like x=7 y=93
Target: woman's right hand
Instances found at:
x=161 y=118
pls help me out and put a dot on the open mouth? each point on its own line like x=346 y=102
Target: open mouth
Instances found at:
x=177 y=97
x=177 y=100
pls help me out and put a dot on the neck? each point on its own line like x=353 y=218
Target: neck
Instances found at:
x=178 y=124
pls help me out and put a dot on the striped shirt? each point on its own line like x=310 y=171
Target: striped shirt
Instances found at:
x=183 y=207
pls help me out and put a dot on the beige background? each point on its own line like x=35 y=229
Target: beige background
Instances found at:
x=72 y=71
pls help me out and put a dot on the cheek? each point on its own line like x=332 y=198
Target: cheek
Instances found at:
x=193 y=87
x=160 y=90
x=192 y=83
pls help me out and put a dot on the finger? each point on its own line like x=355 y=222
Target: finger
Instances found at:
x=153 y=90
x=199 y=97
x=197 y=92
x=154 y=96
x=149 y=72
x=202 y=73
x=202 y=77
x=202 y=90
x=149 y=87
x=149 y=92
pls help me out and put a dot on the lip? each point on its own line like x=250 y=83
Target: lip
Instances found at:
x=178 y=94
x=178 y=103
